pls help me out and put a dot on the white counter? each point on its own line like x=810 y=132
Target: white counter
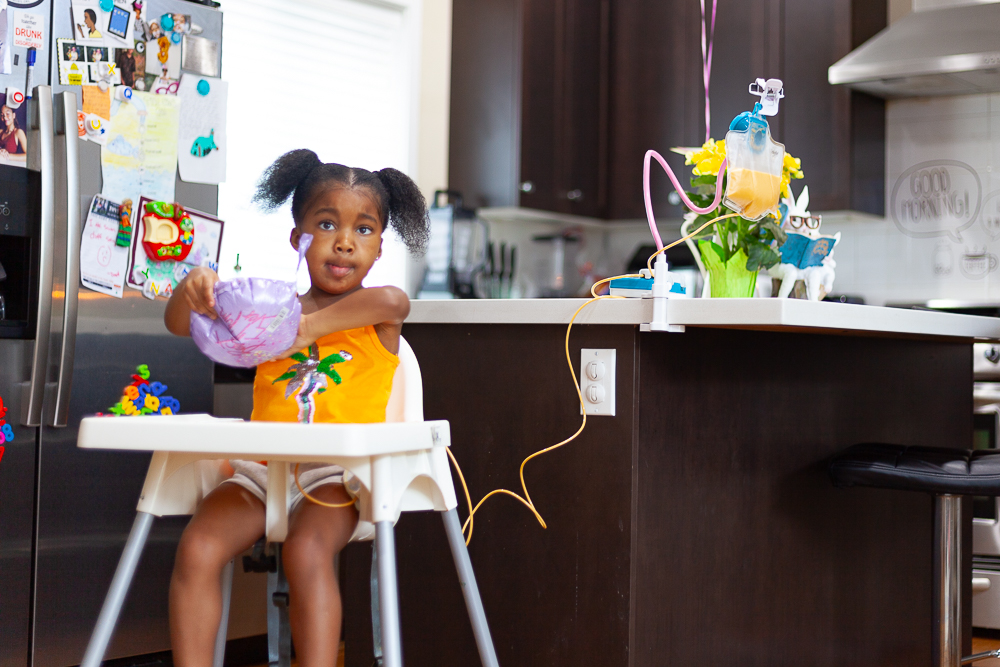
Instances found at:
x=792 y=315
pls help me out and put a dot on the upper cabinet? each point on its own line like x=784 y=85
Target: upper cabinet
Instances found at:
x=555 y=102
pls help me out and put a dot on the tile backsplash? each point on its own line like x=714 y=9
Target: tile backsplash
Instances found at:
x=940 y=238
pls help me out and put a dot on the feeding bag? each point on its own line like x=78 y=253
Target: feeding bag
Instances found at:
x=258 y=319
x=755 y=162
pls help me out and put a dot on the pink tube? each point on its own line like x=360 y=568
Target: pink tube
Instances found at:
x=678 y=188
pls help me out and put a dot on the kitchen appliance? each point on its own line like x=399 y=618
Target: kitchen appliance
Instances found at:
x=456 y=251
x=944 y=47
x=67 y=352
x=556 y=272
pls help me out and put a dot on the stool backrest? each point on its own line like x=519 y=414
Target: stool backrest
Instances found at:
x=406 y=402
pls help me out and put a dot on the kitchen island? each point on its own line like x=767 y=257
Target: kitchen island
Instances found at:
x=698 y=525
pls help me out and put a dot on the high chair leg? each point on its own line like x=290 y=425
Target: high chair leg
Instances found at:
x=392 y=648
x=115 y=598
x=467 y=579
x=220 y=638
x=279 y=634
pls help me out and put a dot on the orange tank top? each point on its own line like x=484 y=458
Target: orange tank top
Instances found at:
x=344 y=377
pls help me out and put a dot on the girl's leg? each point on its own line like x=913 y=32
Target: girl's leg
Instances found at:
x=315 y=535
x=228 y=521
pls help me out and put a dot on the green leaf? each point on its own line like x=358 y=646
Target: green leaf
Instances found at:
x=760 y=255
x=287 y=376
x=299 y=357
x=333 y=375
x=771 y=225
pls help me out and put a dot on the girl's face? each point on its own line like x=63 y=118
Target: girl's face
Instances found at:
x=347 y=238
x=7 y=116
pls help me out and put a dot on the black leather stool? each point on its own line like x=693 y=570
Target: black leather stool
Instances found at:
x=949 y=474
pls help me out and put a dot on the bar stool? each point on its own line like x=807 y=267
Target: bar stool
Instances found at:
x=949 y=474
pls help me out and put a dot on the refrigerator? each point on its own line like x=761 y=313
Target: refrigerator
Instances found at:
x=67 y=352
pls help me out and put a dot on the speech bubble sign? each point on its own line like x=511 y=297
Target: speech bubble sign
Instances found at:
x=936 y=198
x=990 y=220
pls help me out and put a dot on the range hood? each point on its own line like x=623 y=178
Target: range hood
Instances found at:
x=939 y=50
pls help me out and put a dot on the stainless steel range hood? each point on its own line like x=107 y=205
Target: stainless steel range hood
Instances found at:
x=951 y=50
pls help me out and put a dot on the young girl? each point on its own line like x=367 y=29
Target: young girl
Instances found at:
x=347 y=211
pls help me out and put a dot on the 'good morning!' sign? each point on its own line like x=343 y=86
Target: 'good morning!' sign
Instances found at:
x=936 y=198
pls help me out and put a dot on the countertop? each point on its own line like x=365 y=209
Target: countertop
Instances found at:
x=789 y=315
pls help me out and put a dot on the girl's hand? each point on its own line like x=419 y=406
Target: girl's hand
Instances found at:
x=3 y=154
x=197 y=291
x=304 y=339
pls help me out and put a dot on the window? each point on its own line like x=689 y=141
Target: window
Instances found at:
x=335 y=76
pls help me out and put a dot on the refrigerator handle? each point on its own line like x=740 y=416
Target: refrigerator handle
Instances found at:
x=41 y=157
x=66 y=125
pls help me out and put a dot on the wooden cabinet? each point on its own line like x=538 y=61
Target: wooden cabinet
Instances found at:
x=529 y=112
x=555 y=102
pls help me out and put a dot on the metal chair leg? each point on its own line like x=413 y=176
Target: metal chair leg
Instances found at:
x=220 y=638
x=112 y=607
x=467 y=579
x=947 y=575
x=279 y=634
x=376 y=613
x=392 y=647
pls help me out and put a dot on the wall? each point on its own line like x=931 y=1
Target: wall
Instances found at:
x=433 y=111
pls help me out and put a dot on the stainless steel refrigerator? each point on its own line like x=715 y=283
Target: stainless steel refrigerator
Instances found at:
x=67 y=352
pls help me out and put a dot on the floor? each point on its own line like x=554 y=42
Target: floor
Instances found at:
x=980 y=644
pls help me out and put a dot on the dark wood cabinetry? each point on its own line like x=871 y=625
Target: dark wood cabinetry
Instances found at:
x=554 y=102
x=529 y=115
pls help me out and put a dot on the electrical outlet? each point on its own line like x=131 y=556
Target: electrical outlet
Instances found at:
x=597 y=381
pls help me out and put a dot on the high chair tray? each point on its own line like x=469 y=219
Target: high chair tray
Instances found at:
x=286 y=441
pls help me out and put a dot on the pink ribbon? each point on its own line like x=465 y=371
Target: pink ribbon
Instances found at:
x=707 y=42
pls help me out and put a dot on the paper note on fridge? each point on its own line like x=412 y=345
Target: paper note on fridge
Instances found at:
x=29 y=30
x=5 y=46
x=201 y=139
x=140 y=157
x=103 y=263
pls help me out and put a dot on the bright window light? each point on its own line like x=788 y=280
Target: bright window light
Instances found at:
x=333 y=76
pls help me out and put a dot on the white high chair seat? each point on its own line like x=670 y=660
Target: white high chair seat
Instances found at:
x=397 y=466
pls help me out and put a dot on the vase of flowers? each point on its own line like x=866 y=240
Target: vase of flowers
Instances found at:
x=733 y=250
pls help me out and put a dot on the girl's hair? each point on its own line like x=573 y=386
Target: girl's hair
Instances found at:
x=300 y=174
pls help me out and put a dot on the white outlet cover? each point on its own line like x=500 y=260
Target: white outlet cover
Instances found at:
x=606 y=407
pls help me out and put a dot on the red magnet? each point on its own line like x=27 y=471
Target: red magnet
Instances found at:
x=169 y=232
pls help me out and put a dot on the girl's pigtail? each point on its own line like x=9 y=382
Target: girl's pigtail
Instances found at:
x=407 y=213
x=281 y=179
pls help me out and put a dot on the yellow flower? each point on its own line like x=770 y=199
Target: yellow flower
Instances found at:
x=708 y=159
x=790 y=168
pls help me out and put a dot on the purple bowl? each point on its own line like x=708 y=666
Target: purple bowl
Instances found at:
x=258 y=320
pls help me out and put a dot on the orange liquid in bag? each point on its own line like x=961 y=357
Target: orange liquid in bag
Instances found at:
x=755 y=192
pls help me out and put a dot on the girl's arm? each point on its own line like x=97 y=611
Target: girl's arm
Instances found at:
x=194 y=293
x=384 y=307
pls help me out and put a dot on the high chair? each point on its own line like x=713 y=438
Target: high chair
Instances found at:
x=397 y=466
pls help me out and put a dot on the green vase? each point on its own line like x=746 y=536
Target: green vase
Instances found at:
x=728 y=280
